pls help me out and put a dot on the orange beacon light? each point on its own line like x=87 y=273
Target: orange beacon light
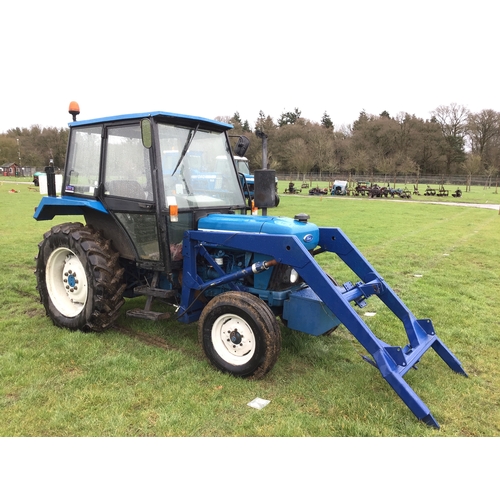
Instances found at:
x=74 y=109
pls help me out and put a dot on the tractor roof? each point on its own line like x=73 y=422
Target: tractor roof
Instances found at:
x=167 y=115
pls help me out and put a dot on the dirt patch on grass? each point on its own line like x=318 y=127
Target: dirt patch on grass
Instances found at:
x=154 y=341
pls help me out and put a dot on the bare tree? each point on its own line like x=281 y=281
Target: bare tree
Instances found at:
x=453 y=122
x=483 y=128
x=321 y=145
x=295 y=155
x=472 y=165
x=223 y=119
x=452 y=119
x=359 y=161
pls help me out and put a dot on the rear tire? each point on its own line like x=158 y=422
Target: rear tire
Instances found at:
x=79 y=278
x=239 y=334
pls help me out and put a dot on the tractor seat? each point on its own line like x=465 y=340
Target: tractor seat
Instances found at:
x=125 y=189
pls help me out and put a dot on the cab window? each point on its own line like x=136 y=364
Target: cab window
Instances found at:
x=127 y=165
x=82 y=172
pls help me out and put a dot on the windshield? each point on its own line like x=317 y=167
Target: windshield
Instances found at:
x=193 y=174
x=242 y=166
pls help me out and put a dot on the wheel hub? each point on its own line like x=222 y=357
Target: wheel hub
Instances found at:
x=70 y=280
x=66 y=282
x=235 y=337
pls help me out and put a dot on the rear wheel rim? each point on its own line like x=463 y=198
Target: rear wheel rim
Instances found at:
x=66 y=282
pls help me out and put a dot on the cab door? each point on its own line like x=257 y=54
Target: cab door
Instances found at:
x=128 y=189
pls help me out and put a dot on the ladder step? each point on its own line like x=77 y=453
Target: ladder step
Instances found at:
x=154 y=292
x=151 y=315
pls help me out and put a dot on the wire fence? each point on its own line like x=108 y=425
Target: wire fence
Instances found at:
x=383 y=179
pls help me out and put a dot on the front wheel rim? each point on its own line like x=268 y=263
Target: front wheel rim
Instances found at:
x=233 y=339
x=66 y=282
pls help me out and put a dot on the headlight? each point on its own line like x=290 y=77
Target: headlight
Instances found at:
x=294 y=276
x=283 y=277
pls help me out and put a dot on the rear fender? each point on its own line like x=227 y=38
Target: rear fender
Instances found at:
x=51 y=206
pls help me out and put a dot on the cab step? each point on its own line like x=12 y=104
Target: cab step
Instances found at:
x=151 y=292
x=158 y=293
x=144 y=314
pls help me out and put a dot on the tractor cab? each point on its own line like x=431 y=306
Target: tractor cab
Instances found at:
x=155 y=174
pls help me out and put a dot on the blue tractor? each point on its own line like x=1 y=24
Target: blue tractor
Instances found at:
x=248 y=179
x=164 y=218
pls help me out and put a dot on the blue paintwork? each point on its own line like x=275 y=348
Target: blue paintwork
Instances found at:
x=51 y=206
x=261 y=280
x=152 y=114
x=305 y=312
x=306 y=232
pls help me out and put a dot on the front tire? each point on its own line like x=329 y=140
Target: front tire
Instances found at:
x=239 y=334
x=79 y=278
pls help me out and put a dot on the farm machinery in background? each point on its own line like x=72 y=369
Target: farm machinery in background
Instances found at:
x=317 y=191
x=368 y=189
x=441 y=191
x=291 y=189
x=339 y=188
x=376 y=191
x=166 y=218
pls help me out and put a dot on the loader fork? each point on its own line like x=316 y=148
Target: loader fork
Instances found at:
x=393 y=362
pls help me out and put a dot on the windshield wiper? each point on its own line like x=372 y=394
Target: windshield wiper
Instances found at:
x=189 y=140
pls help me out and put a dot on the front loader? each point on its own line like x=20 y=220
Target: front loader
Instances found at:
x=166 y=217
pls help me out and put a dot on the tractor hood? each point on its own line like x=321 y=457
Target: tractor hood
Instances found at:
x=306 y=232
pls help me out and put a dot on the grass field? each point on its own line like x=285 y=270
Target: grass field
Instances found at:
x=151 y=379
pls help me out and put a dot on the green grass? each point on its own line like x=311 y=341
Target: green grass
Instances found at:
x=142 y=378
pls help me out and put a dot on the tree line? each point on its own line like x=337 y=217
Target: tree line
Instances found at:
x=454 y=141
x=34 y=146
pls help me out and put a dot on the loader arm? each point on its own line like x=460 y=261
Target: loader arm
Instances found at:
x=393 y=362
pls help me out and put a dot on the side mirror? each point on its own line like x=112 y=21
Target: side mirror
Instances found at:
x=241 y=146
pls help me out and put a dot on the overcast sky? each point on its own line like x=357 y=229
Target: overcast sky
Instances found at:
x=215 y=58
